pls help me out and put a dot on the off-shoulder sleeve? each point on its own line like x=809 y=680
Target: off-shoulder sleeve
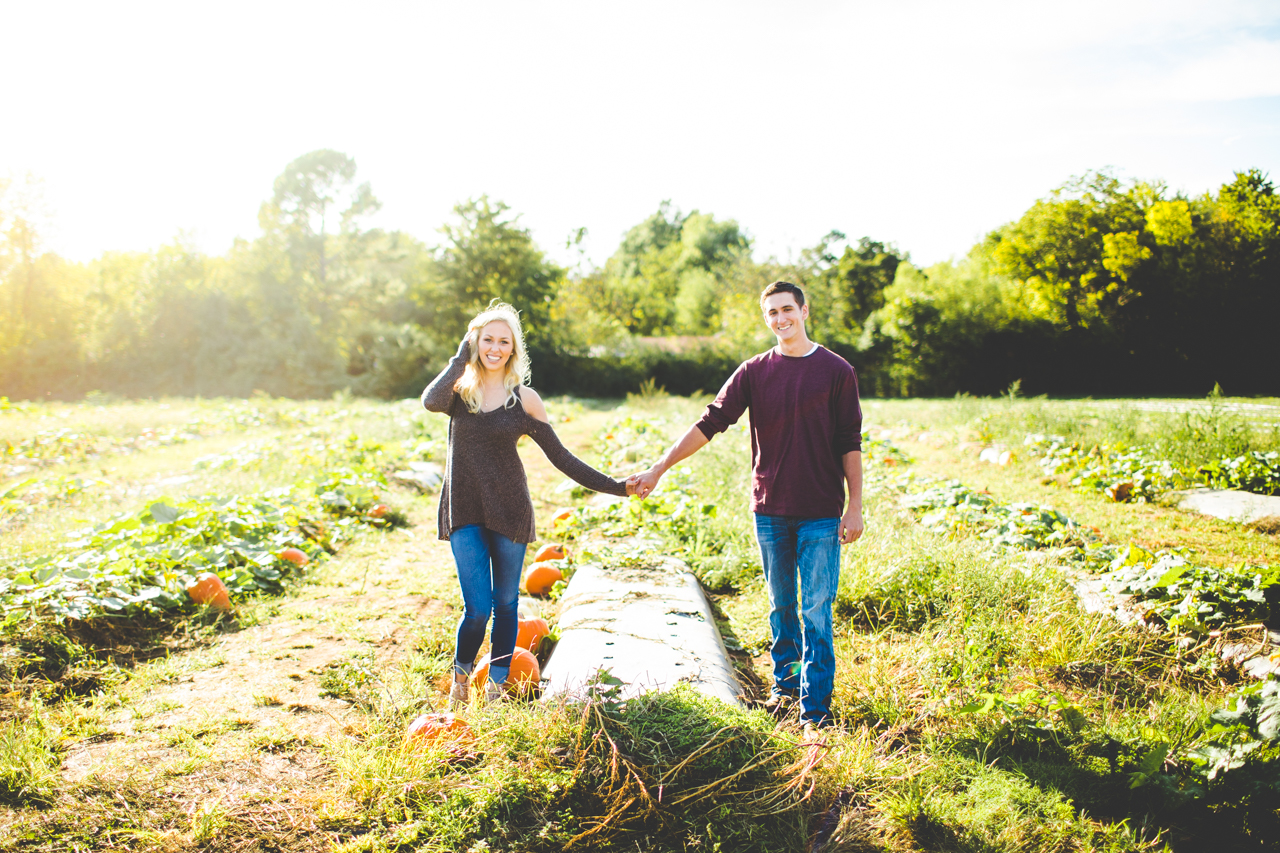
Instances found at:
x=438 y=396
x=570 y=465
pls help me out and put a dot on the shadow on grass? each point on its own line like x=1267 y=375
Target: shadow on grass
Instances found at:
x=1097 y=779
x=77 y=658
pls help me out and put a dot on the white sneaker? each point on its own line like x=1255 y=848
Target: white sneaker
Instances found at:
x=493 y=692
x=459 y=694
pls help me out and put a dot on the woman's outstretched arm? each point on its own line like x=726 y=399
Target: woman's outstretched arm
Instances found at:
x=438 y=396
x=559 y=455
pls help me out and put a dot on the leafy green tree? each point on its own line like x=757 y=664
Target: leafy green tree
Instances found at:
x=847 y=286
x=41 y=303
x=1250 y=207
x=670 y=274
x=1059 y=248
x=904 y=339
x=658 y=231
x=581 y=317
x=707 y=244
x=306 y=280
x=1101 y=287
x=308 y=195
x=487 y=255
x=1224 y=296
x=1170 y=222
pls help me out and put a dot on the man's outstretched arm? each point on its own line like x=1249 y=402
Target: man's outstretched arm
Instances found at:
x=690 y=443
x=851 y=522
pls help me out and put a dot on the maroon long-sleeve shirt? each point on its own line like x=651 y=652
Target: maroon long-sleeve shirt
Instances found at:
x=804 y=417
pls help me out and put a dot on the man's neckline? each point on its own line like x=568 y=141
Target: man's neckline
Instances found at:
x=812 y=350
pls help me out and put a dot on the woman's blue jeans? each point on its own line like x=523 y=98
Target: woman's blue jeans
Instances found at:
x=489 y=572
x=804 y=553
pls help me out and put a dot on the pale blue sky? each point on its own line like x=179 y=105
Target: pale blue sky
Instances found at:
x=921 y=124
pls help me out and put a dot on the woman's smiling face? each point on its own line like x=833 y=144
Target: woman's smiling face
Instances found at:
x=495 y=344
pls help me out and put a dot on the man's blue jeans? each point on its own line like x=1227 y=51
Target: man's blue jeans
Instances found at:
x=489 y=572
x=806 y=550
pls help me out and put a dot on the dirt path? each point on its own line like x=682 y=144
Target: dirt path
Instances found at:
x=263 y=686
x=239 y=737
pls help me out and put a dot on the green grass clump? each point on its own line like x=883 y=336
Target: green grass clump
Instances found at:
x=959 y=804
x=29 y=760
x=667 y=771
x=349 y=679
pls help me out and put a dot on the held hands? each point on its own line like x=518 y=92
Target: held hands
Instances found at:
x=642 y=484
x=851 y=525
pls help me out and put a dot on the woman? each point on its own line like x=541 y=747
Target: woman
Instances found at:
x=485 y=510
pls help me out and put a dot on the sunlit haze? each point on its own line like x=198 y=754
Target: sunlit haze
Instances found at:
x=920 y=124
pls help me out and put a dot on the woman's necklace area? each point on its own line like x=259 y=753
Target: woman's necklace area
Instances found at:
x=495 y=396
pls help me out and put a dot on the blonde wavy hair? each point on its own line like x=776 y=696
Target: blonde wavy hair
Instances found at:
x=517 y=369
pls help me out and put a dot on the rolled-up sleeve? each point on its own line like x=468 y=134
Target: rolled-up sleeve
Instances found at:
x=728 y=406
x=847 y=414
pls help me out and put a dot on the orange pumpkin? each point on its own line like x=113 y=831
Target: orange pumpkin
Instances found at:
x=523 y=676
x=554 y=551
x=541 y=577
x=432 y=727
x=562 y=515
x=209 y=589
x=295 y=556
x=532 y=630
x=1120 y=492
x=379 y=510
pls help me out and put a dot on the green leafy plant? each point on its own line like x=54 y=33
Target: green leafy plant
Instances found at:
x=1245 y=733
x=954 y=507
x=141 y=562
x=1255 y=471
x=1028 y=715
x=1172 y=590
x=1137 y=474
x=351 y=495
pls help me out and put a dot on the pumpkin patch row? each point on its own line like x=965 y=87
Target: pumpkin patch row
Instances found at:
x=176 y=554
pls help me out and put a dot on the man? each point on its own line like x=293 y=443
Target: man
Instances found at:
x=806 y=446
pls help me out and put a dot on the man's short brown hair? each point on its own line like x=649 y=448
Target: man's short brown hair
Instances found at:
x=783 y=287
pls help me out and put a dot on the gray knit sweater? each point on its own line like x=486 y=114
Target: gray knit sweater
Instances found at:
x=484 y=481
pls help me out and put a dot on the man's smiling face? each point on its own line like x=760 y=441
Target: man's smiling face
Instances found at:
x=784 y=317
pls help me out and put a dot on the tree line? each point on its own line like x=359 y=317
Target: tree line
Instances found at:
x=1101 y=287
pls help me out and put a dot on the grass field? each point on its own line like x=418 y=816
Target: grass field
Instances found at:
x=980 y=706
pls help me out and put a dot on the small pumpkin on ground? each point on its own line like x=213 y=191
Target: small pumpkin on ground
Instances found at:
x=541 y=577
x=209 y=589
x=295 y=555
x=531 y=633
x=522 y=678
x=554 y=551
x=442 y=725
